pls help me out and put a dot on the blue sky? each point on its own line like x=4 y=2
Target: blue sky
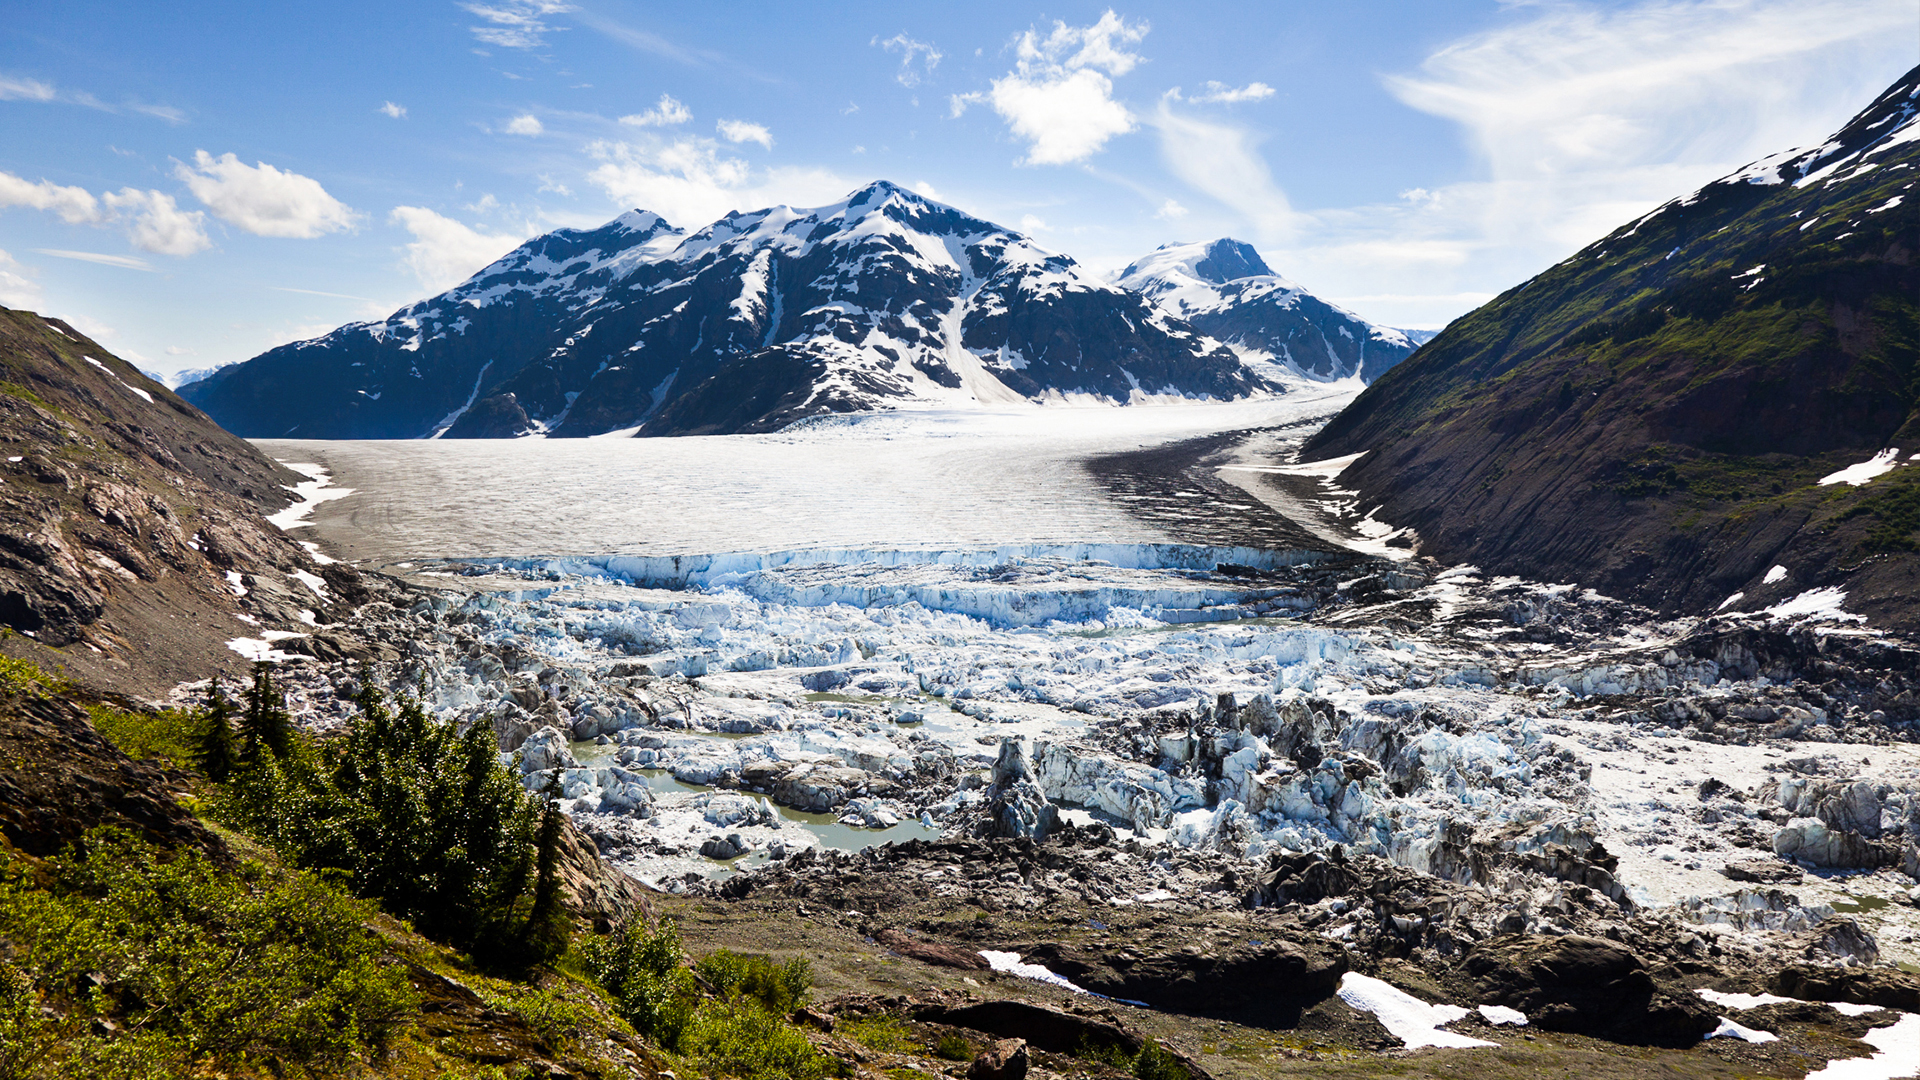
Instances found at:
x=193 y=183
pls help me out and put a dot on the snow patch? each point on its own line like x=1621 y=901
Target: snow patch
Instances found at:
x=316 y=490
x=1730 y=1030
x=1898 y=1046
x=1884 y=461
x=1412 y=1021
x=1778 y=573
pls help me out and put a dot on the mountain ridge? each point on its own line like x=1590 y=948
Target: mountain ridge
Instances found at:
x=1662 y=415
x=885 y=298
x=1225 y=289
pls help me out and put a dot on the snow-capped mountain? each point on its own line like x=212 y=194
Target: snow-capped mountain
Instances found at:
x=1226 y=290
x=884 y=300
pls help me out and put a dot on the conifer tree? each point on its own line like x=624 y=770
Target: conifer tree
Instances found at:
x=215 y=751
x=266 y=722
x=547 y=924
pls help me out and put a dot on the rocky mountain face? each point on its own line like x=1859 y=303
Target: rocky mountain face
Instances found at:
x=132 y=542
x=1227 y=291
x=886 y=299
x=1699 y=411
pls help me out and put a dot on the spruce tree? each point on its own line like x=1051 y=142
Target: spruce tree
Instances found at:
x=266 y=722
x=215 y=751
x=548 y=926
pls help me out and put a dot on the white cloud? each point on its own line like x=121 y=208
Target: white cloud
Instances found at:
x=739 y=131
x=1171 y=211
x=261 y=199
x=1586 y=116
x=526 y=124
x=1059 y=97
x=176 y=350
x=1219 y=93
x=691 y=181
x=75 y=205
x=516 y=24
x=1031 y=224
x=124 y=262
x=909 y=75
x=160 y=112
x=665 y=113
x=17 y=287
x=155 y=223
x=24 y=90
x=398 y=112
x=445 y=252
x=925 y=189
x=1221 y=161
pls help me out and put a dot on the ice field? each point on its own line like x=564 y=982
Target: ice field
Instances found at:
x=755 y=644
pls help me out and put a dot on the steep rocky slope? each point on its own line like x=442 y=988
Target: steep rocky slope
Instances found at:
x=132 y=542
x=1661 y=416
x=1227 y=291
x=883 y=300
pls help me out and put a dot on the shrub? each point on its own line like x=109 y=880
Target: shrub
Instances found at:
x=642 y=973
x=954 y=1047
x=779 y=988
x=1156 y=1062
x=166 y=735
x=884 y=1033
x=26 y=677
x=196 y=962
x=739 y=1038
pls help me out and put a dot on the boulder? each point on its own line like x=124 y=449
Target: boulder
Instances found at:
x=1004 y=1060
x=1763 y=871
x=1585 y=986
x=544 y=750
x=1813 y=841
x=931 y=952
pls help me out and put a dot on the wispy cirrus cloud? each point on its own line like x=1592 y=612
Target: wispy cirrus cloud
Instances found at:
x=917 y=58
x=1215 y=92
x=516 y=24
x=1580 y=115
x=1059 y=96
x=21 y=88
x=124 y=262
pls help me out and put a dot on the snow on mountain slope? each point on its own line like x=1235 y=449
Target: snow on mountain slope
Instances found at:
x=884 y=300
x=1225 y=289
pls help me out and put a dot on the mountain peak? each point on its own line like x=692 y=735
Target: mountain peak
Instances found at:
x=1227 y=259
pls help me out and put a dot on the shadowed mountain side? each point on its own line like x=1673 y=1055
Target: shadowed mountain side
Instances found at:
x=1652 y=417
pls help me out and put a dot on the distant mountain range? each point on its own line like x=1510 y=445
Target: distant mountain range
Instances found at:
x=884 y=300
x=1671 y=414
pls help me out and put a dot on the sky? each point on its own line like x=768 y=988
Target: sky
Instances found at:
x=196 y=182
